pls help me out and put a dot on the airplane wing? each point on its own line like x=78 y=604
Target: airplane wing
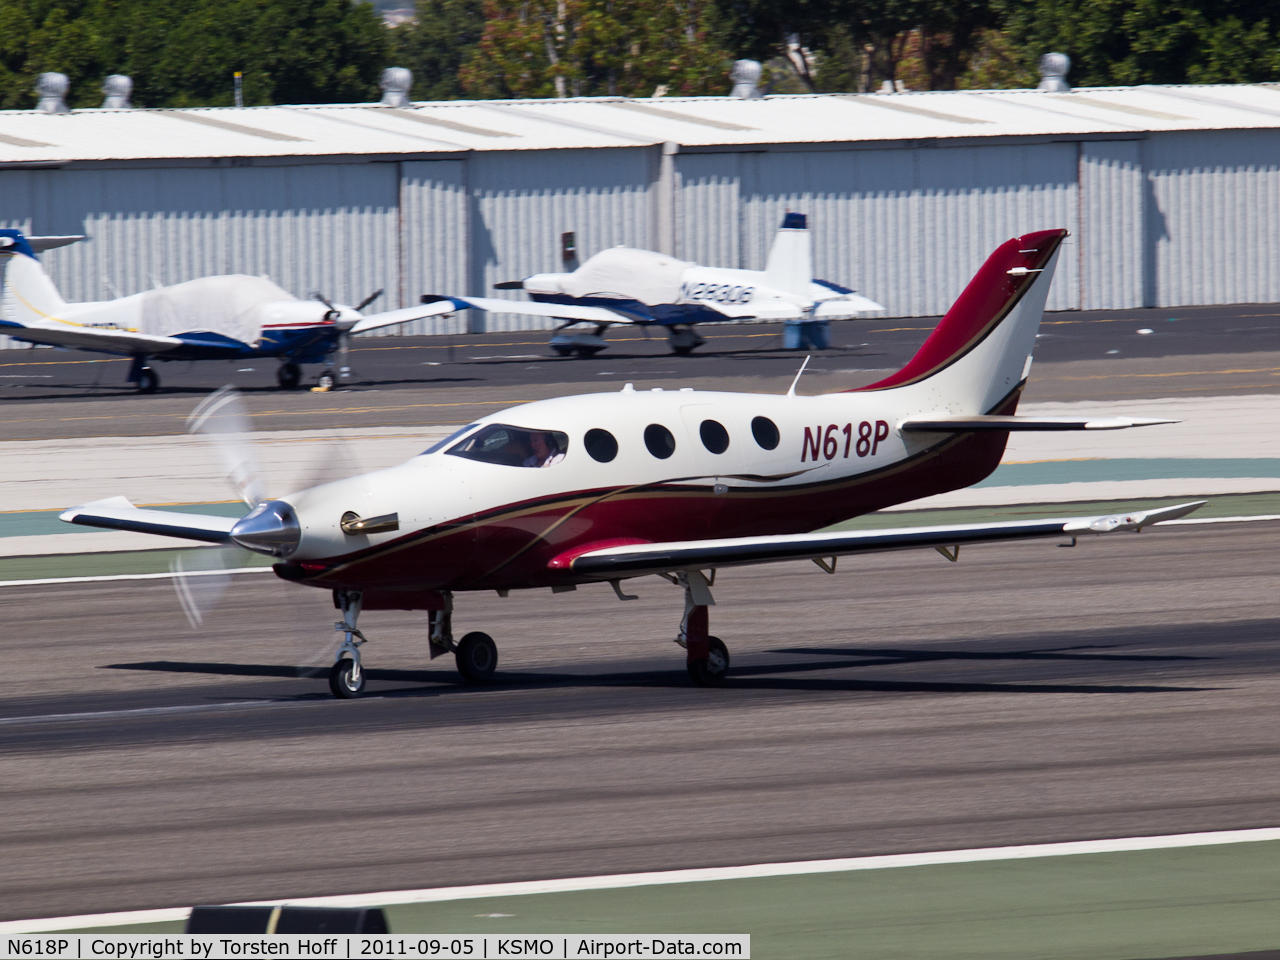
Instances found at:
x=849 y=306
x=93 y=338
x=564 y=311
x=654 y=558
x=117 y=513
x=947 y=423
x=373 y=321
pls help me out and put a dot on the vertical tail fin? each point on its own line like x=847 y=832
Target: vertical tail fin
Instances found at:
x=29 y=295
x=981 y=350
x=790 y=264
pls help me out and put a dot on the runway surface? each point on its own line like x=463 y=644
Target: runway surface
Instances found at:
x=1025 y=694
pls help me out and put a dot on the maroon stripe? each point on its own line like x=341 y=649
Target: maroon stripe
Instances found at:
x=986 y=301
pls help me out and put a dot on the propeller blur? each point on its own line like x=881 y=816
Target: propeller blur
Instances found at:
x=677 y=484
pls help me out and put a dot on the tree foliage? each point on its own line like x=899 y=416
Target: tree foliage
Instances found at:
x=1145 y=41
x=446 y=35
x=556 y=48
x=184 y=52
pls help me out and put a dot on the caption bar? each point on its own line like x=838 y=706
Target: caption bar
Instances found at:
x=208 y=946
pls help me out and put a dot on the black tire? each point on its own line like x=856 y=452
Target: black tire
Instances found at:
x=326 y=381
x=711 y=671
x=340 y=680
x=148 y=380
x=682 y=351
x=563 y=351
x=289 y=376
x=477 y=657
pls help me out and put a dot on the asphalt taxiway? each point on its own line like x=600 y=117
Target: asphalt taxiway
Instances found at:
x=1024 y=694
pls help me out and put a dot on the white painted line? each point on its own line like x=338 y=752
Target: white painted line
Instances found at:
x=133 y=712
x=129 y=576
x=701 y=875
x=1266 y=516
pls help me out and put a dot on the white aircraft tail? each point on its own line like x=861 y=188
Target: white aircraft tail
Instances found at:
x=790 y=264
x=979 y=354
x=29 y=295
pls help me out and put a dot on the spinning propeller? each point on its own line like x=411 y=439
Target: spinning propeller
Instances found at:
x=334 y=315
x=202 y=574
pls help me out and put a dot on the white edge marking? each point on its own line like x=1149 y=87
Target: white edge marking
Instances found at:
x=701 y=875
x=131 y=576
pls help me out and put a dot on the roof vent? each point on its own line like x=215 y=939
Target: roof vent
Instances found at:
x=745 y=74
x=395 y=84
x=117 y=89
x=1053 y=72
x=52 y=88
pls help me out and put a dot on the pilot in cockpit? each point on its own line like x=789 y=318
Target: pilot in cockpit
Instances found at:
x=545 y=452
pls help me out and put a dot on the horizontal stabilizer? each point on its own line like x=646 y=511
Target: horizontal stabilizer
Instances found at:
x=117 y=513
x=651 y=558
x=41 y=244
x=947 y=423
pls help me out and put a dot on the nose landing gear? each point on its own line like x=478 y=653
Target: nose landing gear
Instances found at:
x=347 y=678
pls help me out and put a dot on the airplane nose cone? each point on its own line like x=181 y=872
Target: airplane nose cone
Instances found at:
x=270 y=527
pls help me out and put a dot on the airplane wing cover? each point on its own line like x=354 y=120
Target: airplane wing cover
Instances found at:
x=117 y=513
x=93 y=338
x=641 y=559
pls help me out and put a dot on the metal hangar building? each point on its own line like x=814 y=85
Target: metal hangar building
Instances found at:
x=1172 y=193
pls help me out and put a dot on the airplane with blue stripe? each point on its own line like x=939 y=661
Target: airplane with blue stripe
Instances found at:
x=233 y=317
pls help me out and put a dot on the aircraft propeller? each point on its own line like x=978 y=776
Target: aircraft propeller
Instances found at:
x=344 y=326
x=222 y=419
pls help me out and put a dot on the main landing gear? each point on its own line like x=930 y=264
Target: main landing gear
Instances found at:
x=708 y=657
x=476 y=654
x=144 y=379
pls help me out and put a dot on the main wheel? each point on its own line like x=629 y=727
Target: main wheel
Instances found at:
x=340 y=682
x=148 y=380
x=289 y=376
x=711 y=671
x=477 y=657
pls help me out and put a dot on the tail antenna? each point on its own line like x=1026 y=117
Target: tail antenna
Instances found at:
x=792 y=391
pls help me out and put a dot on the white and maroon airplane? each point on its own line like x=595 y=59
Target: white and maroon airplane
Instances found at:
x=676 y=483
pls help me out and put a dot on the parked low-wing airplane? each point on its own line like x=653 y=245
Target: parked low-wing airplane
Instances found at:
x=675 y=483
x=640 y=287
x=233 y=317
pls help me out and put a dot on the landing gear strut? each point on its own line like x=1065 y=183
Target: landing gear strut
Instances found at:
x=347 y=677
x=708 y=657
x=476 y=654
x=289 y=376
x=143 y=377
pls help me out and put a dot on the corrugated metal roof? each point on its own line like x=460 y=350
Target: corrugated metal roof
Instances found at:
x=459 y=126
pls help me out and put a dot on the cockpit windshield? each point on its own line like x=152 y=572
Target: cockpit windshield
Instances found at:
x=513 y=446
x=441 y=444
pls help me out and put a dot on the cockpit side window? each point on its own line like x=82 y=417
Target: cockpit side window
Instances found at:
x=513 y=446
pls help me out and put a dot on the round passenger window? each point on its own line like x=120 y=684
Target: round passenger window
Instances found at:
x=659 y=441
x=765 y=431
x=714 y=436
x=601 y=445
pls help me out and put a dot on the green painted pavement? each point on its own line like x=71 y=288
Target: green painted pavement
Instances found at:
x=1136 y=468
x=115 y=564
x=35 y=523
x=1115 y=906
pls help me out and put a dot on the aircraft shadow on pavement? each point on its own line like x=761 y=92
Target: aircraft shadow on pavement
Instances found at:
x=771 y=676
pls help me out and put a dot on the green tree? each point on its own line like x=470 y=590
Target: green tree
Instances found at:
x=1144 y=41
x=445 y=36
x=557 y=48
x=184 y=52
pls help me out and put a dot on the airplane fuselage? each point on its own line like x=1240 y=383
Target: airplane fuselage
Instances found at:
x=832 y=457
